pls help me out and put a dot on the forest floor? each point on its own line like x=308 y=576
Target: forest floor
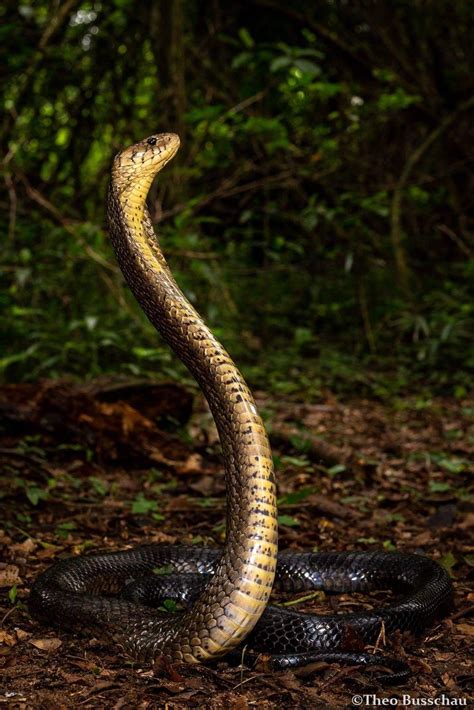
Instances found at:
x=111 y=465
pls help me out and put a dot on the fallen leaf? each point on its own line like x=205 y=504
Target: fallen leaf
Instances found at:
x=448 y=680
x=9 y=576
x=48 y=552
x=22 y=635
x=26 y=547
x=467 y=629
x=422 y=538
x=468 y=522
x=443 y=655
x=73 y=677
x=193 y=464
x=99 y=686
x=46 y=644
x=6 y=638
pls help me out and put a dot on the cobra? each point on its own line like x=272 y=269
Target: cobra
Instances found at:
x=226 y=592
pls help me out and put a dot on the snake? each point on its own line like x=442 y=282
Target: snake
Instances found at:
x=223 y=595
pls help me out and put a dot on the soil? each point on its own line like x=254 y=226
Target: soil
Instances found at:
x=97 y=467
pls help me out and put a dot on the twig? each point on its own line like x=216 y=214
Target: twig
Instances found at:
x=243 y=104
x=230 y=192
x=454 y=237
x=316 y=447
x=247 y=680
x=11 y=193
x=41 y=200
x=13 y=204
x=307 y=598
x=369 y=333
x=381 y=640
x=9 y=612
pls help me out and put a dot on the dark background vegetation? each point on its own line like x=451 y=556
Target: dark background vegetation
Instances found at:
x=317 y=213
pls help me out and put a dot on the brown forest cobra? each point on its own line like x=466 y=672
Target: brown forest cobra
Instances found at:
x=226 y=593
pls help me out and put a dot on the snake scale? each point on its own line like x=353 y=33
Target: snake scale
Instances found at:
x=224 y=593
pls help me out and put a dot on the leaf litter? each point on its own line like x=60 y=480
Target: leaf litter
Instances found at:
x=110 y=465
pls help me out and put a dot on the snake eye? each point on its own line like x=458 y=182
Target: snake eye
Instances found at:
x=151 y=141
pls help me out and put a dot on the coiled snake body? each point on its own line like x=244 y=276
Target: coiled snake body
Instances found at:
x=226 y=592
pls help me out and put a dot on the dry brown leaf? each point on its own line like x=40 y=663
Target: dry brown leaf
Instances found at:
x=22 y=635
x=468 y=522
x=443 y=655
x=25 y=548
x=467 y=629
x=422 y=538
x=73 y=677
x=4 y=538
x=48 y=552
x=9 y=576
x=51 y=644
x=193 y=464
x=448 y=680
x=6 y=638
x=204 y=485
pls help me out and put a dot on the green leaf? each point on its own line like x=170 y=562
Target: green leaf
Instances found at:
x=288 y=521
x=295 y=497
x=453 y=465
x=438 y=487
x=448 y=561
x=63 y=529
x=306 y=66
x=12 y=594
x=35 y=494
x=142 y=505
x=338 y=468
x=206 y=502
x=18 y=357
x=397 y=100
x=280 y=63
x=166 y=569
x=62 y=136
x=99 y=485
x=170 y=605
x=298 y=462
x=246 y=37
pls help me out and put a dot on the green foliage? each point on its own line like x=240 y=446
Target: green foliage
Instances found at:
x=144 y=506
x=35 y=494
x=449 y=561
x=297 y=129
x=288 y=521
x=12 y=594
x=64 y=529
x=295 y=497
